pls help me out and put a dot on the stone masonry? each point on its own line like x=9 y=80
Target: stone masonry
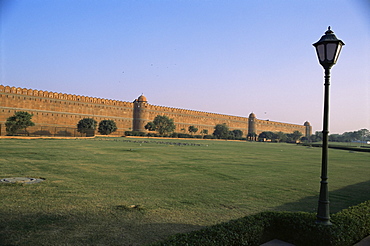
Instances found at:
x=65 y=110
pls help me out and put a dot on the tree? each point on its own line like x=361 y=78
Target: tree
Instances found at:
x=335 y=138
x=296 y=135
x=237 y=133
x=163 y=124
x=317 y=137
x=107 y=127
x=280 y=137
x=204 y=132
x=87 y=125
x=252 y=136
x=150 y=126
x=266 y=135
x=20 y=120
x=192 y=129
x=360 y=135
x=221 y=131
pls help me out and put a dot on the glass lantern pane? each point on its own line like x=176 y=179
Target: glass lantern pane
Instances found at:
x=330 y=51
x=321 y=52
x=338 y=52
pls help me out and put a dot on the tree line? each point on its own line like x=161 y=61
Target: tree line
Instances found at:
x=280 y=136
x=164 y=126
x=360 y=135
x=21 y=120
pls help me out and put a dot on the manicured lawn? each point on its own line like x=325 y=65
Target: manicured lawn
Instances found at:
x=91 y=185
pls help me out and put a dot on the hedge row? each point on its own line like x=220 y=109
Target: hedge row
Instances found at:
x=349 y=226
x=349 y=148
x=174 y=135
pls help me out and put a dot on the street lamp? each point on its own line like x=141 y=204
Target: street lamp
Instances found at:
x=327 y=49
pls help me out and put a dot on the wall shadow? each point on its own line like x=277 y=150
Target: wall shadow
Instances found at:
x=83 y=229
x=339 y=199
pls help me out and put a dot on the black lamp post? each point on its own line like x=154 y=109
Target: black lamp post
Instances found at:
x=328 y=49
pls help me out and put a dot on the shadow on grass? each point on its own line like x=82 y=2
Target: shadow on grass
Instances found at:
x=83 y=229
x=339 y=199
x=121 y=225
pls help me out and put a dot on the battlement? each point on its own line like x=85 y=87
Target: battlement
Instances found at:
x=61 y=96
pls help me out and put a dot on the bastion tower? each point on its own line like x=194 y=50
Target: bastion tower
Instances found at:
x=140 y=118
x=308 y=129
x=252 y=131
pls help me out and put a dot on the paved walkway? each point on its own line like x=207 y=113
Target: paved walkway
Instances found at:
x=364 y=242
x=276 y=242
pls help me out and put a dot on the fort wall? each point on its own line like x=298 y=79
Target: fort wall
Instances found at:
x=65 y=110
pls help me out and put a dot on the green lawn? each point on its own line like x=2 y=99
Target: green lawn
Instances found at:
x=91 y=185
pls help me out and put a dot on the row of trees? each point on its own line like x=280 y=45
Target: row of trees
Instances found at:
x=166 y=126
x=161 y=124
x=21 y=120
x=280 y=136
x=88 y=125
x=360 y=135
x=222 y=132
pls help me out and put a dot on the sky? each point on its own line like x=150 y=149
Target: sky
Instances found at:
x=230 y=57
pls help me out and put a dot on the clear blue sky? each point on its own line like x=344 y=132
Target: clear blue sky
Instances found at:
x=231 y=57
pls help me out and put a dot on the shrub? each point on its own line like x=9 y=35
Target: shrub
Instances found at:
x=134 y=133
x=209 y=137
x=184 y=135
x=352 y=224
x=87 y=125
x=20 y=120
x=334 y=146
x=349 y=226
x=106 y=127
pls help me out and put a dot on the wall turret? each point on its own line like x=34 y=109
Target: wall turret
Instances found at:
x=252 y=131
x=140 y=117
x=308 y=129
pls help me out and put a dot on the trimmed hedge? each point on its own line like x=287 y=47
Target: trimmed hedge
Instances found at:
x=349 y=226
x=172 y=135
x=349 y=148
x=134 y=133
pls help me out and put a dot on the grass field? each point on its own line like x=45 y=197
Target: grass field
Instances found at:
x=176 y=186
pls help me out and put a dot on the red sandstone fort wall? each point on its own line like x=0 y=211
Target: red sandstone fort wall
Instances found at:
x=266 y=125
x=65 y=110
x=201 y=120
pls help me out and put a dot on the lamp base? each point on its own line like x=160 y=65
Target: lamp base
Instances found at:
x=320 y=221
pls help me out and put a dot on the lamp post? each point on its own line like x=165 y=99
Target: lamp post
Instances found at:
x=327 y=49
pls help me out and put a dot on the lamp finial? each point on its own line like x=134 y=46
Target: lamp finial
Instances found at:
x=329 y=31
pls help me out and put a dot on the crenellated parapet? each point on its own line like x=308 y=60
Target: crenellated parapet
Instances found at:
x=61 y=96
x=193 y=113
